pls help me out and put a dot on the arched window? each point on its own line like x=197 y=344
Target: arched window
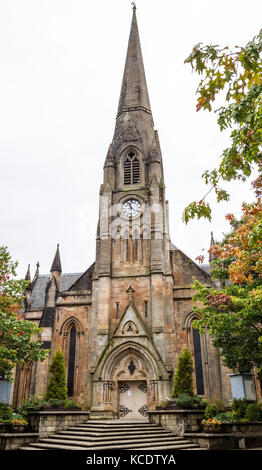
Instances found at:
x=194 y=344
x=71 y=331
x=71 y=362
x=198 y=362
x=126 y=241
x=131 y=169
x=136 y=245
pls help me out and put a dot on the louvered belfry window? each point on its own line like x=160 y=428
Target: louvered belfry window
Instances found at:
x=131 y=169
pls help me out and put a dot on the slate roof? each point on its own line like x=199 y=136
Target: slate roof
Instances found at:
x=39 y=289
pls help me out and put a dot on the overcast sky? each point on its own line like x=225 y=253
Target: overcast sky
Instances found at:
x=61 y=66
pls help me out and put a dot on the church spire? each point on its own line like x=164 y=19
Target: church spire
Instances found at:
x=212 y=257
x=28 y=275
x=134 y=93
x=56 y=265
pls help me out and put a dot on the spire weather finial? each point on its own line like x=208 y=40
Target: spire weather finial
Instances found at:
x=134 y=5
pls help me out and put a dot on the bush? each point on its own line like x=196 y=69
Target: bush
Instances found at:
x=220 y=405
x=187 y=401
x=71 y=404
x=55 y=402
x=253 y=412
x=57 y=388
x=211 y=411
x=203 y=402
x=239 y=407
x=225 y=417
x=5 y=412
x=183 y=380
x=34 y=403
x=31 y=403
x=18 y=418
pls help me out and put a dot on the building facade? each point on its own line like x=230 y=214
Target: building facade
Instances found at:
x=123 y=323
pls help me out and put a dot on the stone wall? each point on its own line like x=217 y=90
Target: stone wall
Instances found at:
x=49 y=422
x=234 y=435
x=178 y=421
x=12 y=441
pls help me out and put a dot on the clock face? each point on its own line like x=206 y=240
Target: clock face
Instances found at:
x=131 y=207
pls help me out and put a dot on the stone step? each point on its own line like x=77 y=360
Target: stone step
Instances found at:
x=166 y=447
x=111 y=426
x=118 y=422
x=113 y=431
x=112 y=435
x=103 y=435
x=106 y=443
x=130 y=438
x=183 y=444
x=30 y=447
x=176 y=445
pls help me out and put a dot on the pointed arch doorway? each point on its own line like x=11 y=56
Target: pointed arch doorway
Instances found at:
x=130 y=382
x=132 y=379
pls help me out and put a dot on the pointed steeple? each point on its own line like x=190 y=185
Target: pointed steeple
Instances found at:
x=56 y=265
x=28 y=290
x=134 y=121
x=134 y=92
x=28 y=275
x=212 y=243
x=35 y=275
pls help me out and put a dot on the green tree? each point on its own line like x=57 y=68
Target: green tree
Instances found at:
x=19 y=343
x=238 y=73
x=232 y=314
x=57 y=388
x=183 y=379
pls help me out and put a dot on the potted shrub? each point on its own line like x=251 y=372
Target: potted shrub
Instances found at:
x=211 y=425
x=18 y=423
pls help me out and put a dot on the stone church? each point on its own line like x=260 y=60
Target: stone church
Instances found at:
x=123 y=323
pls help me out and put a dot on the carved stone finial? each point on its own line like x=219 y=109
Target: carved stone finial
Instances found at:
x=130 y=291
x=28 y=275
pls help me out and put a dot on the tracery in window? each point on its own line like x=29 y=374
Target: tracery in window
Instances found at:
x=131 y=169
